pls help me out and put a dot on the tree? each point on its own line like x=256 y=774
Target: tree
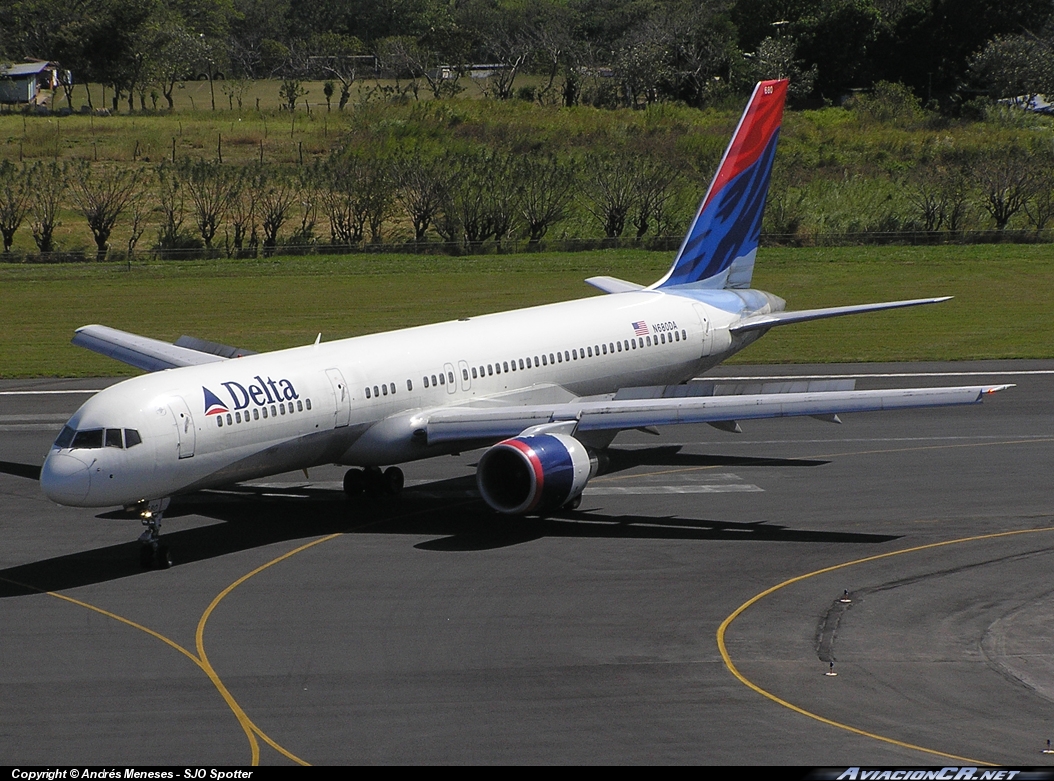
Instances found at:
x=47 y=184
x=608 y=187
x=1006 y=181
x=101 y=195
x=419 y=188
x=291 y=91
x=1018 y=67
x=14 y=200
x=274 y=200
x=211 y=187
x=548 y=186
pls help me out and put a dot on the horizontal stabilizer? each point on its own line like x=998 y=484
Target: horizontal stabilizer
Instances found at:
x=139 y=351
x=783 y=318
x=613 y=285
x=473 y=423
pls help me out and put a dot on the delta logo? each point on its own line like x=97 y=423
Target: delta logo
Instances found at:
x=261 y=392
x=213 y=406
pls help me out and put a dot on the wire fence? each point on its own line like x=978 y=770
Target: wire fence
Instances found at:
x=657 y=243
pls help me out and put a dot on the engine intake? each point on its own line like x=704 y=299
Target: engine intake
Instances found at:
x=535 y=473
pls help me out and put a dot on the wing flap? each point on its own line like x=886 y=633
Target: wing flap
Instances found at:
x=139 y=351
x=784 y=318
x=471 y=423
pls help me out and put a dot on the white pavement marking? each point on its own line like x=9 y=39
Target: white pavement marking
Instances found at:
x=864 y=375
x=48 y=392
x=650 y=490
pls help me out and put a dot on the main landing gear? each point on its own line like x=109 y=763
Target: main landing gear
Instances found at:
x=153 y=551
x=373 y=482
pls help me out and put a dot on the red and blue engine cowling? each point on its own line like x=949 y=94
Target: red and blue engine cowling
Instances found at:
x=534 y=474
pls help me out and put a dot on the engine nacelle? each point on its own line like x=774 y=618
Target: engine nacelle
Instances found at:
x=534 y=473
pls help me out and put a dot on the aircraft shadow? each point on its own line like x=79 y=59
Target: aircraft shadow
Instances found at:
x=618 y=460
x=448 y=511
x=29 y=471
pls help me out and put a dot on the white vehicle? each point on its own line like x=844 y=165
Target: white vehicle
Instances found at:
x=545 y=389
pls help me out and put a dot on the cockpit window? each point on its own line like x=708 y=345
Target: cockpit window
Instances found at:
x=88 y=439
x=65 y=438
x=97 y=438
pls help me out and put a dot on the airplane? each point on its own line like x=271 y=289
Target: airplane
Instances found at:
x=544 y=390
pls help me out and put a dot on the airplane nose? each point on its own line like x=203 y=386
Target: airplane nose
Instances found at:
x=65 y=479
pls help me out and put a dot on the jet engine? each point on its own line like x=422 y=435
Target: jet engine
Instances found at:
x=534 y=473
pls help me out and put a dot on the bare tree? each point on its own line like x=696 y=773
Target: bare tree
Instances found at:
x=419 y=188
x=275 y=199
x=244 y=210
x=653 y=187
x=548 y=185
x=171 y=200
x=48 y=182
x=608 y=185
x=101 y=195
x=14 y=200
x=211 y=187
x=1006 y=181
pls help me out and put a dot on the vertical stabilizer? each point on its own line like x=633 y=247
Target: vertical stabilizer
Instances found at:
x=719 y=250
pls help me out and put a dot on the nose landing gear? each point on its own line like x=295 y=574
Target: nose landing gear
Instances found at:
x=153 y=551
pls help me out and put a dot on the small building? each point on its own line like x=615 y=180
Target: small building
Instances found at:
x=22 y=82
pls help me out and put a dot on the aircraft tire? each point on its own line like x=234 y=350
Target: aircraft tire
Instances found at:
x=374 y=481
x=354 y=482
x=574 y=504
x=393 y=481
x=162 y=556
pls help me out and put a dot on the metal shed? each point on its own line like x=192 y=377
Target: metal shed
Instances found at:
x=20 y=83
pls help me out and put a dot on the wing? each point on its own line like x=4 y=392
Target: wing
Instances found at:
x=473 y=423
x=151 y=354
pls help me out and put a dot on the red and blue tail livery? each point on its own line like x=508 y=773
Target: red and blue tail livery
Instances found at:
x=721 y=244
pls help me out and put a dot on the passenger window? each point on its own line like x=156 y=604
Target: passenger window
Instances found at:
x=589 y=351
x=574 y=354
x=464 y=374
x=662 y=337
x=450 y=377
x=528 y=362
x=684 y=334
x=367 y=391
x=265 y=413
x=545 y=361
x=299 y=405
x=113 y=438
x=392 y=386
x=649 y=341
x=230 y=419
x=676 y=336
x=536 y=362
x=434 y=383
x=376 y=391
x=237 y=417
x=497 y=368
x=256 y=413
x=442 y=379
x=384 y=389
x=281 y=408
x=409 y=387
x=490 y=369
x=219 y=421
x=308 y=401
x=559 y=357
x=551 y=358
x=618 y=345
x=605 y=349
x=65 y=437
x=474 y=372
x=274 y=412
x=505 y=366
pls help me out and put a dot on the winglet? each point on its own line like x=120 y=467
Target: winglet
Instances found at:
x=719 y=249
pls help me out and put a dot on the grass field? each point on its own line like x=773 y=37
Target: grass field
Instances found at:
x=1003 y=297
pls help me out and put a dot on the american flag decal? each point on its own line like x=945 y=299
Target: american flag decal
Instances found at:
x=640 y=328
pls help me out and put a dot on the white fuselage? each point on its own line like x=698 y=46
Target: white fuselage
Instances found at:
x=360 y=401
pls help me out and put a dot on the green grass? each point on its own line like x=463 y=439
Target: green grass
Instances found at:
x=1001 y=310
